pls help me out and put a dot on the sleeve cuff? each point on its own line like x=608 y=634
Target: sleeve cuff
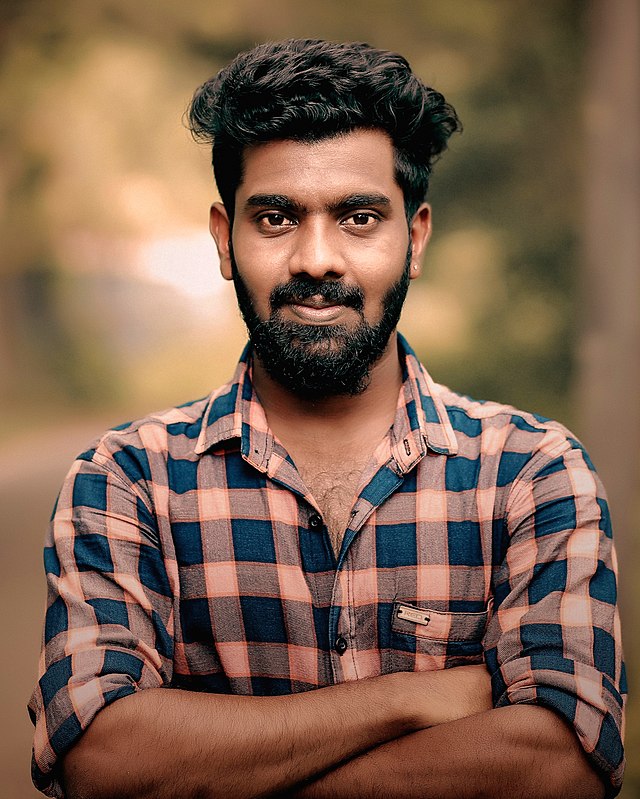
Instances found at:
x=596 y=729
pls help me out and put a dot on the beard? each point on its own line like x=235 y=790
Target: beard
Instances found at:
x=320 y=361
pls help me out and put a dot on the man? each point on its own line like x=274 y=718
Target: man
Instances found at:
x=354 y=581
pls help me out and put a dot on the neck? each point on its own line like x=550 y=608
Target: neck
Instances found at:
x=332 y=415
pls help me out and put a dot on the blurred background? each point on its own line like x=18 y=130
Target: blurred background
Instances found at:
x=110 y=300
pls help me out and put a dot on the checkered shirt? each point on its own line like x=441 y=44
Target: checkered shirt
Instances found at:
x=185 y=551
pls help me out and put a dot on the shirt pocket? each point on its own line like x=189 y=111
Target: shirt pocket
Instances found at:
x=424 y=638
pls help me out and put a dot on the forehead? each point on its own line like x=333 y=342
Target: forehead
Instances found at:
x=359 y=161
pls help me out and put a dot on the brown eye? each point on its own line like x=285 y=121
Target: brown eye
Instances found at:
x=275 y=219
x=361 y=219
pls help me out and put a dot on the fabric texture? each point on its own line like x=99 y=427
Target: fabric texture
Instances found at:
x=185 y=551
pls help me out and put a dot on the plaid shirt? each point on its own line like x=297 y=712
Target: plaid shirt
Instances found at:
x=185 y=551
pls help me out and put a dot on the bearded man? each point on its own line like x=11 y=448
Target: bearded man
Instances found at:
x=332 y=577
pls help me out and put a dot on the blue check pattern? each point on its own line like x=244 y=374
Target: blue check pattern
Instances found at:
x=185 y=551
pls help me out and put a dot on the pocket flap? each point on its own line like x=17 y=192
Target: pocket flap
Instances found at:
x=424 y=622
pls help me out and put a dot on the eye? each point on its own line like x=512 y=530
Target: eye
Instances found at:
x=273 y=220
x=362 y=219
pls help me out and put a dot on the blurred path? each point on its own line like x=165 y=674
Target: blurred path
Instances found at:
x=31 y=470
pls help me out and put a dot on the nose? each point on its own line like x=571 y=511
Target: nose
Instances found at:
x=317 y=251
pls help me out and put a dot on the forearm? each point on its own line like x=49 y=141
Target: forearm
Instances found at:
x=170 y=743
x=518 y=752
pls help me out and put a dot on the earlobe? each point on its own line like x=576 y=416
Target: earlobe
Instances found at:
x=420 y=234
x=221 y=231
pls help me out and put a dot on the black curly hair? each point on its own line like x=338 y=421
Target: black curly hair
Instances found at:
x=308 y=90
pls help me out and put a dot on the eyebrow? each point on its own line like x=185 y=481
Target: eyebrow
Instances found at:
x=361 y=201
x=285 y=203
x=272 y=201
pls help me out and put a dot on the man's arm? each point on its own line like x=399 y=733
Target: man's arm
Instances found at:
x=517 y=752
x=169 y=743
x=553 y=640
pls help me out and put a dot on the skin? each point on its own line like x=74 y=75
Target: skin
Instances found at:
x=519 y=752
x=300 y=209
x=173 y=744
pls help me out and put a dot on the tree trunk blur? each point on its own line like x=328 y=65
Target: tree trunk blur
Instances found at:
x=609 y=387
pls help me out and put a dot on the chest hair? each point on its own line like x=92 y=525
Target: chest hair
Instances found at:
x=334 y=488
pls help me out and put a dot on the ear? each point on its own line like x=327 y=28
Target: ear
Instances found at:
x=420 y=232
x=221 y=232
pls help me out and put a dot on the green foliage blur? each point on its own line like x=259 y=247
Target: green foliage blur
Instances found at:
x=90 y=127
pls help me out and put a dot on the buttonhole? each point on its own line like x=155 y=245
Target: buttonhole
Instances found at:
x=407 y=447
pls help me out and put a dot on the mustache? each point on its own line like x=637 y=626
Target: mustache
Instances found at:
x=331 y=291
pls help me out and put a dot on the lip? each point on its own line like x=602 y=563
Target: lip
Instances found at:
x=316 y=310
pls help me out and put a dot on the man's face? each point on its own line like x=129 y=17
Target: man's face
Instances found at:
x=321 y=256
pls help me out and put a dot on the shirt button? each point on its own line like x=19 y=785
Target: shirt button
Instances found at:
x=341 y=645
x=315 y=521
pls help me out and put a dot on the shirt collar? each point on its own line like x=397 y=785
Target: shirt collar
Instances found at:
x=421 y=422
x=234 y=411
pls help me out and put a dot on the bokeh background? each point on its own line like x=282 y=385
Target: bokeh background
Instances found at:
x=110 y=300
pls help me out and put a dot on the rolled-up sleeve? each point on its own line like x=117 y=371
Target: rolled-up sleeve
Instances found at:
x=108 y=625
x=554 y=638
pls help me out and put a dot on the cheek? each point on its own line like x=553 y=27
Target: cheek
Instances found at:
x=378 y=278
x=258 y=282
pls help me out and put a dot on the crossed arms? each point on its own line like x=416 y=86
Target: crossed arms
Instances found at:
x=403 y=735
x=551 y=640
